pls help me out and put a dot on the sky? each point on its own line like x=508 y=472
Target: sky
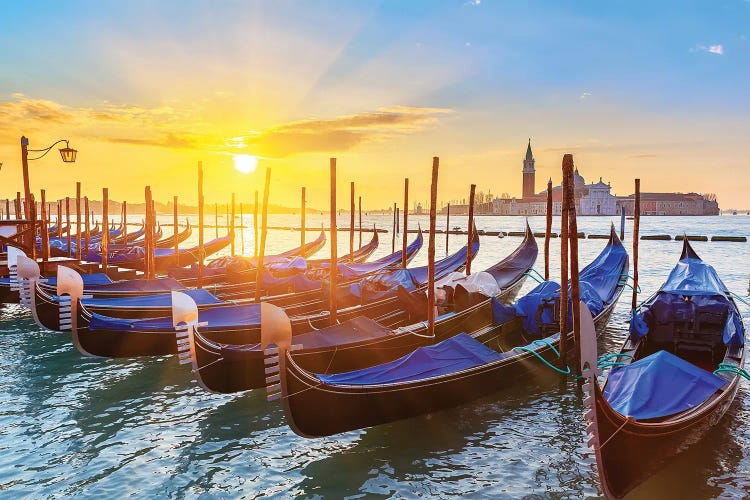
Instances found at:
x=144 y=90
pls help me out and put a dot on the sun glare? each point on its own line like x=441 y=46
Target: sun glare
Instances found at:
x=245 y=163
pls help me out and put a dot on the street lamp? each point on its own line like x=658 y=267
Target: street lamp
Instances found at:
x=67 y=153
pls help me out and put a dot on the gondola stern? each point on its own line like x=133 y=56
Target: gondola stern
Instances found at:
x=185 y=323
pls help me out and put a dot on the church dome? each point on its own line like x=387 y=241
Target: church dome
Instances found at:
x=578 y=180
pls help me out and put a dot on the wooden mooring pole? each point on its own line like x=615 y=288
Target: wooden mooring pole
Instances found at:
x=406 y=223
x=242 y=229
x=263 y=231
x=255 y=226
x=431 y=249
x=105 y=230
x=447 y=227
x=302 y=222
x=45 y=231
x=360 y=221
x=87 y=233
x=231 y=226
x=351 y=219
x=564 y=268
x=175 y=222
x=548 y=230
x=393 y=236
x=201 y=226
x=332 y=305
x=78 y=221
x=470 y=231
x=636 y=231
x=575 y=291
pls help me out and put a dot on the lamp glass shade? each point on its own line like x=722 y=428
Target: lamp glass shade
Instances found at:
x=68 y=154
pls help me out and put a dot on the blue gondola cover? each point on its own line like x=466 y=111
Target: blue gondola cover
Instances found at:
x=451 y=355
x=216 y=317
x=659 y=385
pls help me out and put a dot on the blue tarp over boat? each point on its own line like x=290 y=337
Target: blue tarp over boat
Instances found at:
x=200 y=296
x=218 y=317
x=449 y=356
x=692 y=289
x=659 y=385
x=139 y=285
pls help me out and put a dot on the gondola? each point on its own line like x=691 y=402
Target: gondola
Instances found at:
x=216 y=271
x=369 y=333
x=169 y=241
x=117 y=337
x=674 y=377
x=495 y=346
x=160 y=305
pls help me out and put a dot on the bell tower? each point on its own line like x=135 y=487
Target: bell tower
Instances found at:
x=528 y=173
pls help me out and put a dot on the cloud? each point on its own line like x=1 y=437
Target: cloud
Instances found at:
x=341 y=133
x=717 y=49
x=169 y=140
x=584 y=96
x=36 y=110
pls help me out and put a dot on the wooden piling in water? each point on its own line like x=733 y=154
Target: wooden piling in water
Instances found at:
x=360 y=222
x=470 y=231
x=447 y=227
x=87 y=232
x=431 y=249
x=17 y=206
x=201 y=226
x=393 y=236
x=575 y=291
x=231 y=226
x=302 y=220
x=32 y=227
x=125 y=219
x=564 y=271
x=59 y=219
x=148 y=240
x=636 y=230
x=242 y=229
x=263 y=231
x=105 y=227
x=7 y=208
x=548 y=230
x=67 y=223
x=406 y=222
x=351 y=218
x=45 y=232
x=78 y=221
x=216 y=220
x=175 y=219
x=255 y=226
x=333 y=278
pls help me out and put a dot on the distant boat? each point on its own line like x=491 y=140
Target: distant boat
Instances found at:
x=456 y=228
x=734 y=212
x=501 y=234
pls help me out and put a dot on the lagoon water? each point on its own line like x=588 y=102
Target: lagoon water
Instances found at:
x=76 y=426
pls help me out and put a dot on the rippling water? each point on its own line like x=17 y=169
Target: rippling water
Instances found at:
x=71 y=425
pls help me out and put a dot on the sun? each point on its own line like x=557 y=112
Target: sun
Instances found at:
x=245 y=163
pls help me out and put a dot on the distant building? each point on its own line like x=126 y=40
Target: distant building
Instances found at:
x=672 y=204
x=590 y=199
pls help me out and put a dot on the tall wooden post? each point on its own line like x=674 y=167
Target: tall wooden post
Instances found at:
x=216 y=219
x=7 y=208
x=398 y=220
x=548 y=230
x=231 y=226
x=406 y=223
x=45 y=232
x=67 y=223
x=393 y=236
x=201 y=247
x=26 y=188
x=469 y=254
x=255 y=226
x=59 y=219
x=302 y=222
x=360 y=222
x=87 y=244
x=78 y=221
x=351 y=218
x=636 y=237
x=242 y=229
x=447 y=227
x=105 y=229
x=18 y=206
x=148 y=240
x=575 y=291
x=32 y=227
x=264 y=229
x=622 y=222
x=564 y=267
x=124 y=221
x=431 y=249
x=332 y=306
x=175 y=222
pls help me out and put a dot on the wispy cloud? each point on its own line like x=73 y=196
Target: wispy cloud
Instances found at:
x=584 y=96
x=341 y=133
x=717 y=49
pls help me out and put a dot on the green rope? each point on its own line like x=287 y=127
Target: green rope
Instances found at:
x=627 y=276
x=531 y=269
x=730 y=368
x=541 y=358
x=532 y=277
x=614 y=355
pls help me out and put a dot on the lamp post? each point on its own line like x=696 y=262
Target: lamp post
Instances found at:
x=67 y=153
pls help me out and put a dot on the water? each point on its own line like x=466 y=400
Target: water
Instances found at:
x=75 y=426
